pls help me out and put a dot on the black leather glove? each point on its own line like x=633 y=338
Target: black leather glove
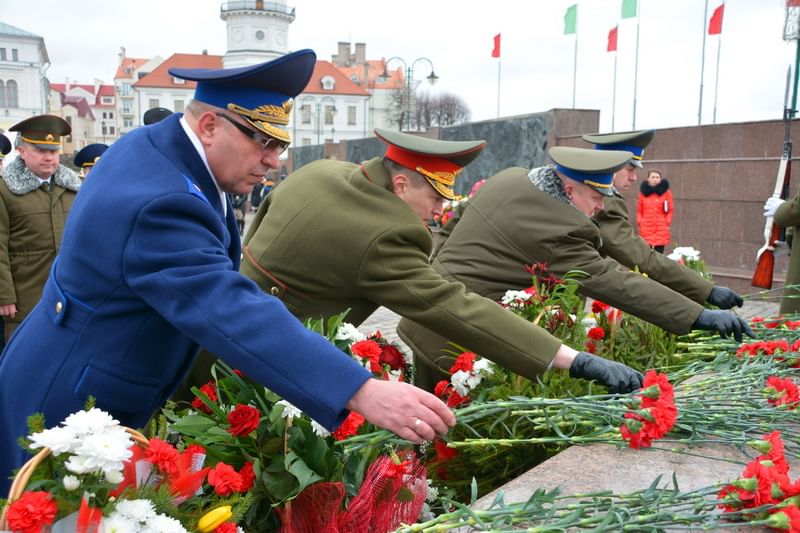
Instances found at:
x=724 y=298
x=725 y=322
x=617 y=377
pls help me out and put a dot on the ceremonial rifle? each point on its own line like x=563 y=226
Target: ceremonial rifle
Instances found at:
x=765 y=257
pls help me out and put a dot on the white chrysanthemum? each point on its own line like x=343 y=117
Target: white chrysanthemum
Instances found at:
x=686 y=252
x=58 y=439
x=482 y=366
x=117 y=523
x=92 y=421
x=160 y=523
x=348 y=332
x=136 y=510
x=319 y=430
x=459 y=381
x=512 y=298
x=106 y=451
x=80 y=464
x=114 y=476
x=71 y=482
x=289 y=410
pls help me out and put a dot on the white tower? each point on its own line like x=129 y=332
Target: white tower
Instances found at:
x=257 y=31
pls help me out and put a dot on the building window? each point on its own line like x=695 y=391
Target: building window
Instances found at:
x=305 y=113
x=306 y=141
x=12 y=99
x=178 y=106
x=2 y=94
x=178 y=81
x=127 y=106
x=107 y=100
x=351 y=115
x=329 y=112
x=2 y=54
x=110 y=114
x=14 y=54
x=126 y=89
x=328 y=83
x=104 y=130
x=104 y=114
x=111 y=130
x=153 y=103
x=260 y=35
x=127 y=123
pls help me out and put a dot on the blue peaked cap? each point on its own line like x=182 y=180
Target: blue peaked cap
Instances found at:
x=260 y=93
x=89 y=154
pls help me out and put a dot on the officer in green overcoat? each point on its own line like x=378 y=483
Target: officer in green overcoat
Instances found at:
x=545 y=215
x=336 y=235
x=36 y=194
x=787 y=215
x=621 y=243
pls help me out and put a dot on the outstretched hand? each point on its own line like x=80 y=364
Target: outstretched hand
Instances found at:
x=404 y=409
x=616 y=377
x=724 y=298
x=724 y=322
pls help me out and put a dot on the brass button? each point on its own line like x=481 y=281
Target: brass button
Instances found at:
x=275 y=291
x=59 y=307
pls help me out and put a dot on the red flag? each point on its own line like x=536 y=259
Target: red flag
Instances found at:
x=792 y=3
x=612 y=40
x=496 y=51
x=715 y=24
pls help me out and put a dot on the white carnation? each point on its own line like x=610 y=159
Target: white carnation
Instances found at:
x=289 y=410
x=348 y=332
x=460 y=382
x=482 y=366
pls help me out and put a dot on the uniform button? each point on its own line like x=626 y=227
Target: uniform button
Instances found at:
x=275 y=291
x=59 y=307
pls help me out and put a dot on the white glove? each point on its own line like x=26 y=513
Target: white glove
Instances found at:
x=772 y=205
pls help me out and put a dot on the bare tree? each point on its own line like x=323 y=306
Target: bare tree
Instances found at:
x=443 y=109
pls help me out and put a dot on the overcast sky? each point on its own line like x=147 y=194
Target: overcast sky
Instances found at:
x=83 y=38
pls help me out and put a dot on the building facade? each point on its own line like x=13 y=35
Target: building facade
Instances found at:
x=101 y=100
x=257 y=31
x=130 y=71
x=23 y=82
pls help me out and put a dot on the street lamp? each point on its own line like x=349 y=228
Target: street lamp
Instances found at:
x=318 y=103
x=409 y=89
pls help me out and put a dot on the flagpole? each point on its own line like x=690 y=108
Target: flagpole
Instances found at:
x=575 y=64
x=636 y=64
x=498 y=87
x=614 y=94
x=716 y=82
x=702 y=66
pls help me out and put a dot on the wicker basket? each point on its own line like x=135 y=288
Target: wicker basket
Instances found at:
x=25 y=473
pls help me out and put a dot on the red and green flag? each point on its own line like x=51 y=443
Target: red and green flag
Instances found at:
x=715 y=24
x=628 y=8
x=571 y=20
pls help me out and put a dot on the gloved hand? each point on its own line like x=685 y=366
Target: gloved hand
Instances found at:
x=617 y=377
x=772 y=205
x=724 y=322
x=724 y=298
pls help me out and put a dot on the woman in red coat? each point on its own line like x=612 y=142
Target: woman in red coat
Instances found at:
x=654 y=211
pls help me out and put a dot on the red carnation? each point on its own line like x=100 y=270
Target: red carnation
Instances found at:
x=440 y=390
x=32 y=513
x=227 y=527
x=368 y=349
x=349 y=427
x=210 y=390
x=248 y=477
x=163 y=455
x=599 y=307
x=596 y=333
x=782 y=392
x=393 y=357
x=224 y=479
x=243 y=420
x=464 y=362
x=444 y=453
x=590 y=347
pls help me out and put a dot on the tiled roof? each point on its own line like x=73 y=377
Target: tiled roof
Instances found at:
x=8 y=29
x=159 y=77
x=104 y=90
x=84 y=111
x=375 y=70
x=342 y=85
x=129 y=62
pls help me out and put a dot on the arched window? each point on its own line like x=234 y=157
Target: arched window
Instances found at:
x=2 y=94
x=12 y=100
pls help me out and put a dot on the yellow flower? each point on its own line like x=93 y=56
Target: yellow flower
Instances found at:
x=214 y=518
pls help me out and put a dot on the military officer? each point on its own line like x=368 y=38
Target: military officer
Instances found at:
x=786 y=214
x=88 y=157
x=622 y=244
x=336 y=236
x=148 y=272
x=545 y=215
x=155 y=114
x=36 y=194
x=5 y=149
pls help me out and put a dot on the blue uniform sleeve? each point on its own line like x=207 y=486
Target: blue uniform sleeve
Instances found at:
x=175 y=260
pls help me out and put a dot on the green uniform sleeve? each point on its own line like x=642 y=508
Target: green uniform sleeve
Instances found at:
x=622 y=244
x=788 y=214
x=7 y=293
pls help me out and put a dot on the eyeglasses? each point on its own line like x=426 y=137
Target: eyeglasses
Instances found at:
x=266 y=143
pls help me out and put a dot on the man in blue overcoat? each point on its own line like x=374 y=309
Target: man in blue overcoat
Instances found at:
x=149 y=272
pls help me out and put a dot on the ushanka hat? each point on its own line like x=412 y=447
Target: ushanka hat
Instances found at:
x=632 y=141
x=594 y=168
x=440 y=162
x=42 y=131
x=261 y=94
